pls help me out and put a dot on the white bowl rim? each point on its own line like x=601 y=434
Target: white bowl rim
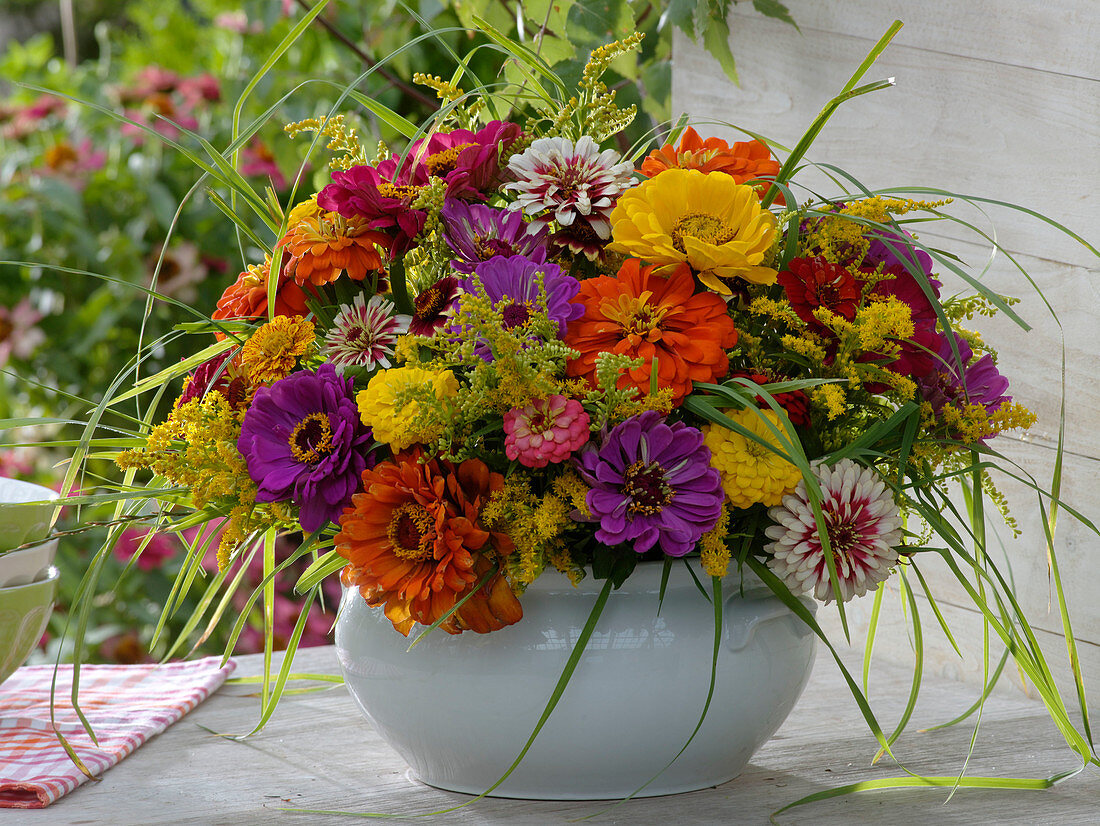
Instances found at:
x=28 y=549
x=52 y=576
x=41 y=494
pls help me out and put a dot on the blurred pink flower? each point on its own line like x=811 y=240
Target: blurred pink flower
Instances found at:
x=160 y=549
x=72 y=164
x=200 y=89
x=172 y=117
x=15 y=465
x=256 y=159
x=19 y=336
x=237 y=21
x=153 y=79
x=25 y=120
x=45 y=106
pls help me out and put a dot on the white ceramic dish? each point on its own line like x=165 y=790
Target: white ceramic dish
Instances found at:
x=26 y=512
x=27 y=564
x=24 y=612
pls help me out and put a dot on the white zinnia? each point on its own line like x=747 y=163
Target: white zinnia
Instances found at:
x=553 y=174
x=864 y=525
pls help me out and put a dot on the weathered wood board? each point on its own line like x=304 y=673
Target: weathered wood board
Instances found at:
x=318 y=752
x=998 y=100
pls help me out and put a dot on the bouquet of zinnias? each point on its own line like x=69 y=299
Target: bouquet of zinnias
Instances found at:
x=506 y=348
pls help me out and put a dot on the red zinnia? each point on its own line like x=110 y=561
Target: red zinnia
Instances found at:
x=814 y=282
x=655 y=317
x=795 y=402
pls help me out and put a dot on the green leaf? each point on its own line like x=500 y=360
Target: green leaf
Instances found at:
x=716 y=39
x=775 y=9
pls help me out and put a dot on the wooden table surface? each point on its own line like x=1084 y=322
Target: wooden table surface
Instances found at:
x=318 y=752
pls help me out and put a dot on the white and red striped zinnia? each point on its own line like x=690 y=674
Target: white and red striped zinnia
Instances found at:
x=864 y=525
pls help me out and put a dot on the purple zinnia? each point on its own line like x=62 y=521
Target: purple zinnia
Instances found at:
x=652 y=483
x=300 y=439
x=477 y=233
x=957 y=381
x=512 y=285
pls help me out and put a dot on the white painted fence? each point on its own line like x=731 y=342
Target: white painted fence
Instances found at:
x=998 y=99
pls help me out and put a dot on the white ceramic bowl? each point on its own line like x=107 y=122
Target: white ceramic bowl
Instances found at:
x=27 y=564
x=459 y=709
x=26 y=512
x=24 y=613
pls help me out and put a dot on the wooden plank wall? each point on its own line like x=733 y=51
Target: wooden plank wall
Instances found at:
x=994 y=99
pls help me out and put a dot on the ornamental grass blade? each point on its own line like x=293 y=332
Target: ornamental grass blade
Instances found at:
x=849 y=91
x=803 y=613
x=1019 y=783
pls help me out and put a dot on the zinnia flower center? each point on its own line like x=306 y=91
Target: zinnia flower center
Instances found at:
x=707 y=228
x=842 y=538
x=59 y=155
x=411 y=531
x=6 y=329
x=398 y=192
x=311 y=438
x=429 y=303
x=515 y=315
x=487 y=247
x=443 y=162
x=635 y=315
x=646 y=487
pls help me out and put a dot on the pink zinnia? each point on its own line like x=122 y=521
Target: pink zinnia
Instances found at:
x=19 y=337
x=864 y=525
x=546 y=430
x=257 y=160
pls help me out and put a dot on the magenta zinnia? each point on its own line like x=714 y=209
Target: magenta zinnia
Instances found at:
x=863 y=523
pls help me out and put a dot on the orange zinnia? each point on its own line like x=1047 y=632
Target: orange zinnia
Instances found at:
x=324 y=245
x=414 y=543
x=247 y=296
x=743 y=161
x=655 y=317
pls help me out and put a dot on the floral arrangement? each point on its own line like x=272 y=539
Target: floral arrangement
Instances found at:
x=586 y=359
x=509 y=347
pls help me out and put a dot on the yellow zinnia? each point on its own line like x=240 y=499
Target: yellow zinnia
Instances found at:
x=750 y=472
x=398 y=404
x=273 y=350
x=708 y=220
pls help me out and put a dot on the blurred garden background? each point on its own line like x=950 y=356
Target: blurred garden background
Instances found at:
x=109 y=231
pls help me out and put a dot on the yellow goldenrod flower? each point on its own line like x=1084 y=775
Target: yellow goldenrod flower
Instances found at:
x=708 y=220
x=750 y=472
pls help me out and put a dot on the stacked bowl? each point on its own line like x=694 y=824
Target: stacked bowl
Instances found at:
x=28 y=579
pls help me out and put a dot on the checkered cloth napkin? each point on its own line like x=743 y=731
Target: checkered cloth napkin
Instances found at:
x=125 y=704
